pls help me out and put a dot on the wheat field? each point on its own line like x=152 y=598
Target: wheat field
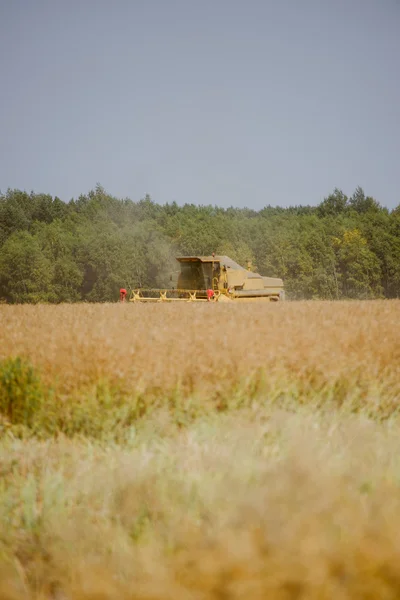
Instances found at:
x=200 y=451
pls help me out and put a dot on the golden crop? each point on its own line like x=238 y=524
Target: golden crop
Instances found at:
x=200 y=451
x=296 y=349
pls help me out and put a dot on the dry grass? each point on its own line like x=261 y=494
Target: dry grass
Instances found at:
x=259 y=456
x=201 y=355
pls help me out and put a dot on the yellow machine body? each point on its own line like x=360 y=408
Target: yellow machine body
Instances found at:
x=216 y=279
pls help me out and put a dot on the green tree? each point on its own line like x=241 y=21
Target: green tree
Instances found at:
x=362 y=203
x=335 y=204
x=25 y=273
x=358 y=266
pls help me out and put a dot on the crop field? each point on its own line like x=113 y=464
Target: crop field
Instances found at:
x=200 y=451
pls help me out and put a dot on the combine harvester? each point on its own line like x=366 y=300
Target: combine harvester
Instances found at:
x=214 y=279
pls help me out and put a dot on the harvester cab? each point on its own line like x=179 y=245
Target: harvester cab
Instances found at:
x=198 y=273
x=216 y=279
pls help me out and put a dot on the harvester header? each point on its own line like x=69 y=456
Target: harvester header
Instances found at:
x=215 y=278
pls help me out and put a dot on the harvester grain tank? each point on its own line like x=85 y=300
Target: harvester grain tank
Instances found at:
x=216 y=279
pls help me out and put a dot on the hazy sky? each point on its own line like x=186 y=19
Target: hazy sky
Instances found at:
x=227 y=102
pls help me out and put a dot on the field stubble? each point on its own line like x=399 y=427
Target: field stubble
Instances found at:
x=200 y=451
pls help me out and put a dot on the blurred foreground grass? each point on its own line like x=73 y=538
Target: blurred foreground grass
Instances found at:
x=257 y=504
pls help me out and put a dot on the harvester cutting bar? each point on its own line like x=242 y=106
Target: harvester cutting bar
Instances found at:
x=176 y=295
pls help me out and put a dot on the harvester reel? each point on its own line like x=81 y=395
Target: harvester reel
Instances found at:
x=135 y=296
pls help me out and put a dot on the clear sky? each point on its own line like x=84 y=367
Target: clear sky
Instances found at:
x=227 y=102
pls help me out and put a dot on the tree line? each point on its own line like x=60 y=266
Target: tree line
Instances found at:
x=87 y=249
